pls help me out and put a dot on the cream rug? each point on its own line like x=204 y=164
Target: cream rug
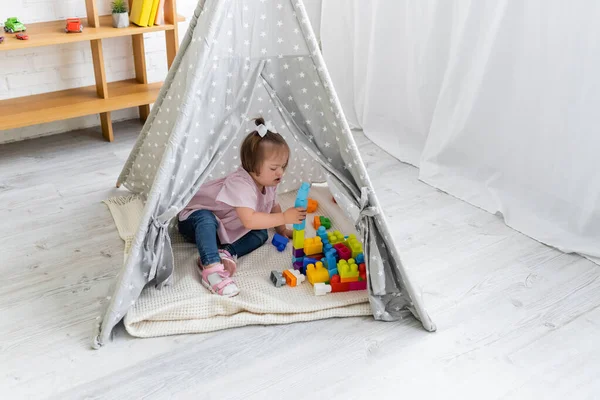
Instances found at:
x=187 y=307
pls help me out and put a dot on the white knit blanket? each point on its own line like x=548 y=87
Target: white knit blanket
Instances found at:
x=187 y=307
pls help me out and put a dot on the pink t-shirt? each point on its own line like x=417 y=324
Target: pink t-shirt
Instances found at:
x=222 y=196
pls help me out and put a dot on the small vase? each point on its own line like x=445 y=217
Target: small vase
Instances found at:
x=120 y=20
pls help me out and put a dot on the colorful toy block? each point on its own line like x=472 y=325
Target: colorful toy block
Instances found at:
x=298 y=239
x=319 y=221
x=344 y=252
x=322 y=233
x=293 y=277
x=348 y=270
x=335 y=237
x=338 y=286
x=321 y=289
x=316 y=273
x=360 y=259
x=298 y=252
x=312 y=206
x=277 y=278
x=302 y=201
x=313 y=246
x=354 y=245
x=362 y=272
x=280 y=242
x=298 y=266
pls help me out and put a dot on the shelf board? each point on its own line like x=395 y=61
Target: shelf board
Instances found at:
x=53 y=33
x=71 y=103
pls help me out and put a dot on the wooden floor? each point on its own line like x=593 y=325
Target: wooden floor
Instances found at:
x=516 y=319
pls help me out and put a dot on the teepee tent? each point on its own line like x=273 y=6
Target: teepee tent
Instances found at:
x=241 y=59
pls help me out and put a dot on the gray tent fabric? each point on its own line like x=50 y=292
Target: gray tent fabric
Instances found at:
x=241 y=59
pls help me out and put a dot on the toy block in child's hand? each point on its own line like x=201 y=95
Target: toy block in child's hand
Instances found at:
x=280 y=242
x=312 y=206
x=298 y=239
x=302 y=201
x=293 y=277
x=313 y=246
x=316 y=273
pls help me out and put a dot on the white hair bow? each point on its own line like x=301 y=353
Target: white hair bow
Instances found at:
x=262 y=129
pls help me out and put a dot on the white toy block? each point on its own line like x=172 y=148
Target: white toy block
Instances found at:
x=299 y=277
x=321 y=289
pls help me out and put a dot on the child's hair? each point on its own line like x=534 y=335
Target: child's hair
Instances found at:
x=254 y=147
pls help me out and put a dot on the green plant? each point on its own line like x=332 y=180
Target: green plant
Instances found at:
x=118 y=6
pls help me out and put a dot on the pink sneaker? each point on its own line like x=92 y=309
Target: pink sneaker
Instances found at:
x=217 y=280
x=229 y=261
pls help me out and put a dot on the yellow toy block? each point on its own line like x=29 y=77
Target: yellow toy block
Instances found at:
x=312 y=246
x=335 y=237
x=317 y=273
x=354 y=245
x=298 y=239
x=348 y=270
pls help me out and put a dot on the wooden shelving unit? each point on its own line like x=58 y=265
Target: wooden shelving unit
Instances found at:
x=103 y=97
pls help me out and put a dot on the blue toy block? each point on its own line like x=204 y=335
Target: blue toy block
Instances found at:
x=331 y=259
x=302 y=201
x=280 y=242
x=307 y=260
x=360 y=258
x=297 y=259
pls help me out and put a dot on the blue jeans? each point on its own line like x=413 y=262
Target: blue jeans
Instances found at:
x=201 y=228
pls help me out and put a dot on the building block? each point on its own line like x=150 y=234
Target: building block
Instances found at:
x=318 y=256
x=298 y=239
x=312 y=206
x=280 y=242
x=293 y=277
x=321 y=289
x=298 y=252
x=348 y=270
x=297 y=265
x=338 y=286
x=306 y=262
x=331 y=259
x=316 y=273
x=313 y=246
x=322 y=233
x=360 y=259
x=335 y=237
x=320 y=221
x=354 y=245
x=277 y=278
x=343 y=251
x=302 y=201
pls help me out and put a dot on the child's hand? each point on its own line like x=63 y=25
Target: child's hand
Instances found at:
x=294 y=215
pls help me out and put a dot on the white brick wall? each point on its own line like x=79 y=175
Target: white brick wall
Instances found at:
x=45 y=69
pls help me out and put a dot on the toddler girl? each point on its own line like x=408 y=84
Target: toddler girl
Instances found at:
x=229 y=217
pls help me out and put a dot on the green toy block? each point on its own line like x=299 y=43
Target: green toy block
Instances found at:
x=354 y=245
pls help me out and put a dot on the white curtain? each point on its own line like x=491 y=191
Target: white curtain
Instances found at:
x=495 y=101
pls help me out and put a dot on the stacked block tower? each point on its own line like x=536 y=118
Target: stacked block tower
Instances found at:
x=298 y=235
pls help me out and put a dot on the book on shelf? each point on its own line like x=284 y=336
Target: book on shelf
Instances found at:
x=160 y=13
x=140 y=12
x=152 y=18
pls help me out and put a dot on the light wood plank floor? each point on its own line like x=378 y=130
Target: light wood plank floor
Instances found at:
x=516 y=319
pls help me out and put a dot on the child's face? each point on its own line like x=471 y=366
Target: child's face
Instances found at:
x=272 y=169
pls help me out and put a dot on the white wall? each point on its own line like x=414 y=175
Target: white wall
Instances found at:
x=45 y=69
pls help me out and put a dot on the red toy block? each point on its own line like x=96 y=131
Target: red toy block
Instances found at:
x=343 y=251
x=317 y=257
x=337 y=286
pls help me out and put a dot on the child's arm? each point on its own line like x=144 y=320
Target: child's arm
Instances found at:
x=256 y=220
x=281 y=229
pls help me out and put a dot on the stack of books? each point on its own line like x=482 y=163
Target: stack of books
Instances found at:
x=147 y=12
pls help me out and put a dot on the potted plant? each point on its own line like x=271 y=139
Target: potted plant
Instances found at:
x=119 y=14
